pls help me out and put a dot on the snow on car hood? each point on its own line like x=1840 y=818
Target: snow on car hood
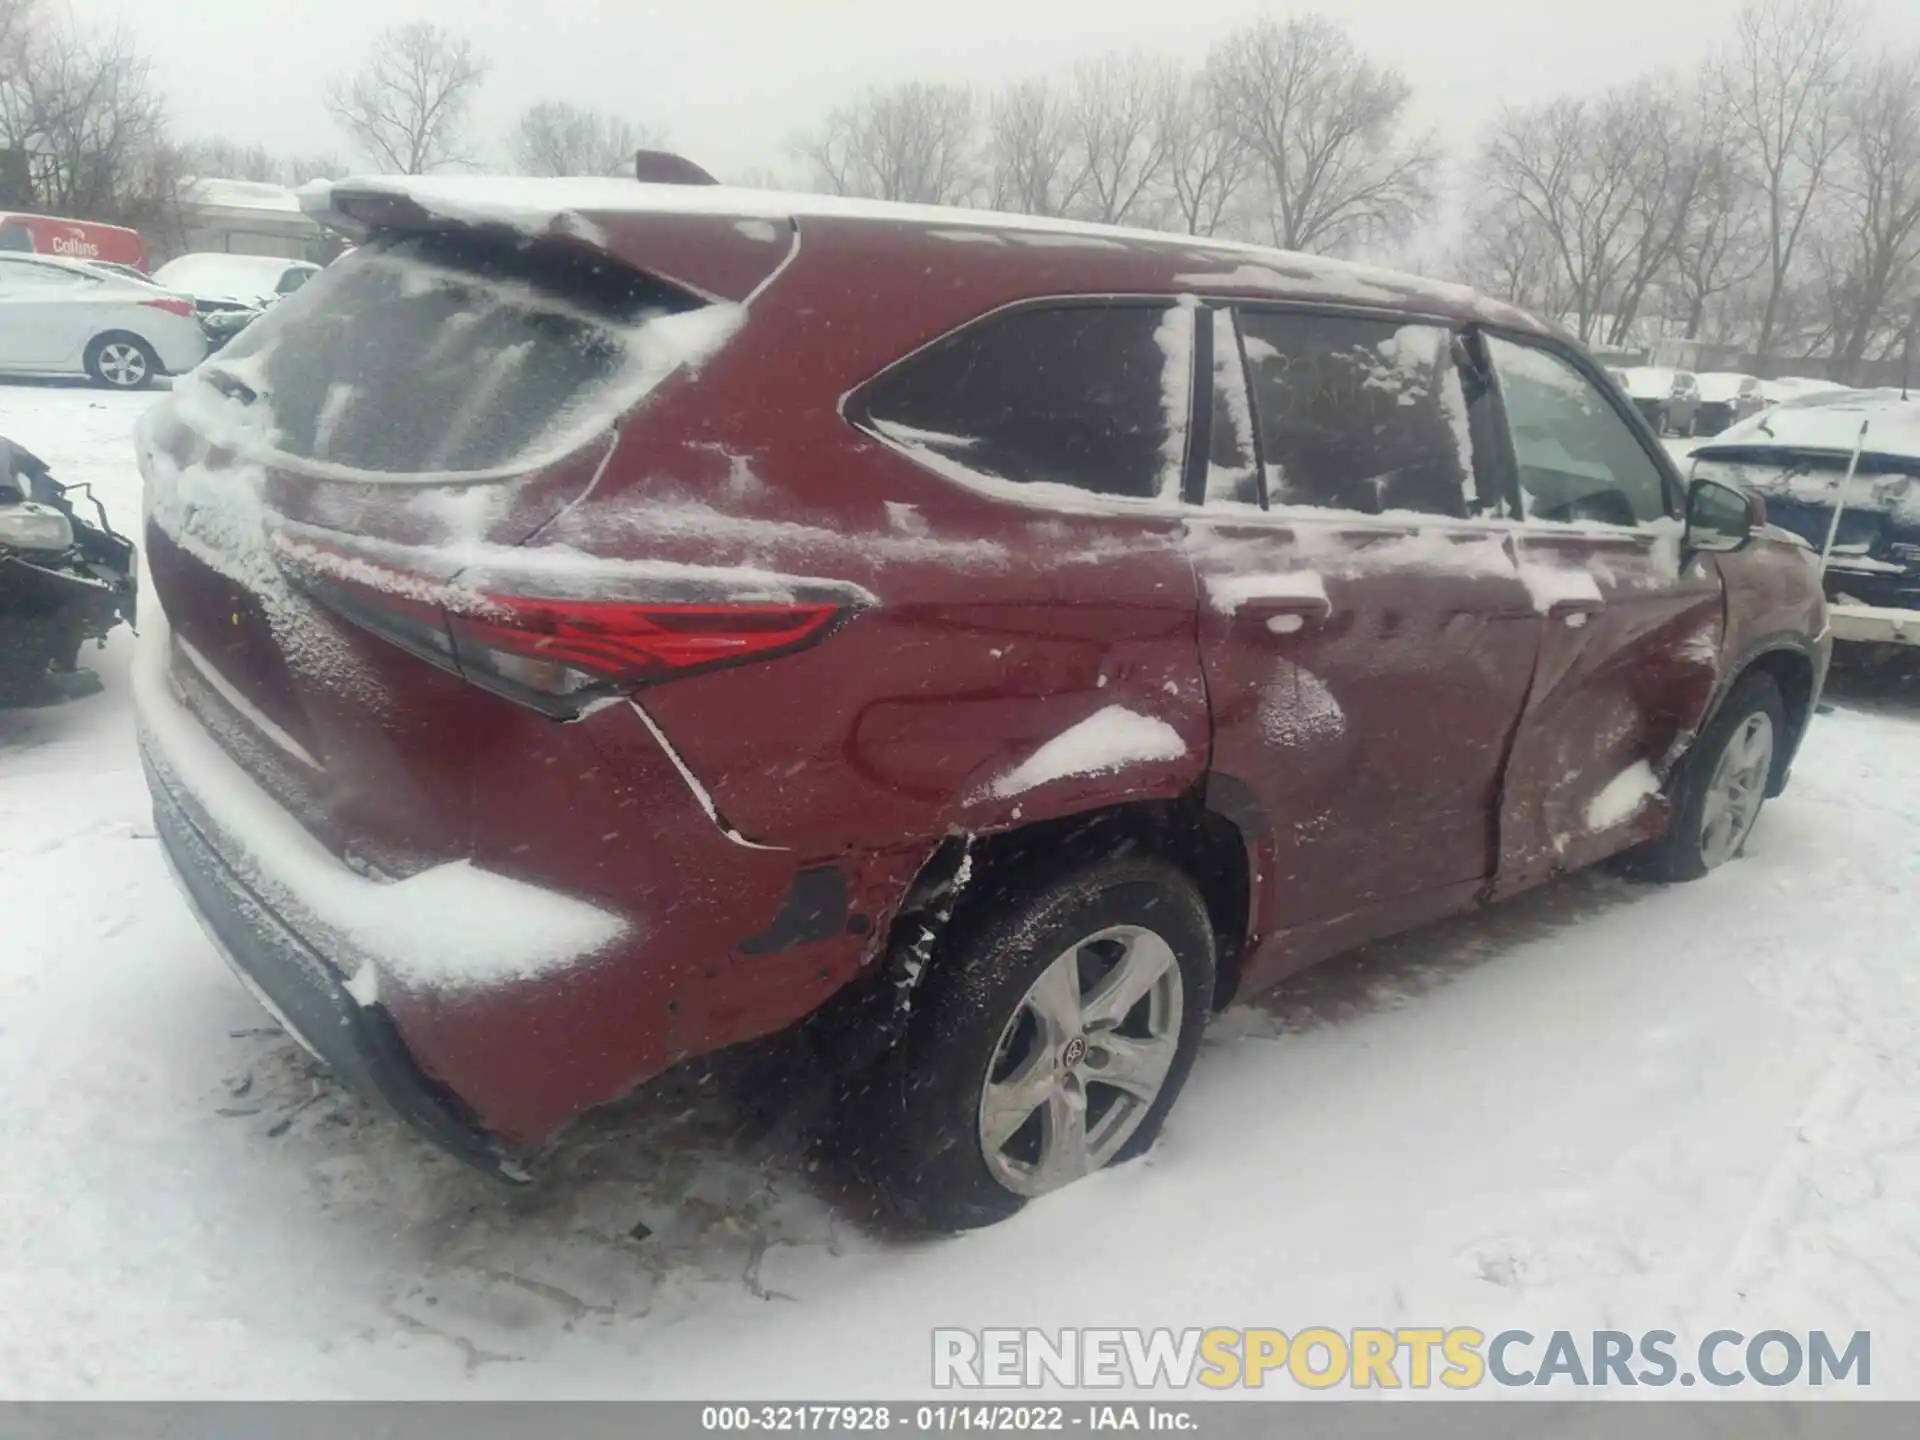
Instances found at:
x=1645 y=383
x=1893 y=427
x=1720 y=387
x=243 y=279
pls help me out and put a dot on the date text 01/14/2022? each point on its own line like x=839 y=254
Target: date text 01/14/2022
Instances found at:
x=941 y=1419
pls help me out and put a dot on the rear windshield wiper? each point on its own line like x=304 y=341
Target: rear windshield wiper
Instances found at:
x=231 y=385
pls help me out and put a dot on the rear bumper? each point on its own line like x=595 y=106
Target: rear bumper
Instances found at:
x=552 y=1004
x=1874 y=624
x=309 y=997
x=180 y=346
x=1710 y=417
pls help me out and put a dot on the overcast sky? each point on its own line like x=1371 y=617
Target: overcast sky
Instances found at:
x=734 y=80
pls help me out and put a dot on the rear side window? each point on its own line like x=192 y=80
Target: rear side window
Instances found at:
x=1091 y=396
x=40 y=277
x=1359 y=414
x=452 y=353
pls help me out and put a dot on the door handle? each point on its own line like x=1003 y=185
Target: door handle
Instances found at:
x=1285 y=614
x=1574 y=613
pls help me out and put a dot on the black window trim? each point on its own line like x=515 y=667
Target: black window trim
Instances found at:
x=1200 y=436
x=1200 y=385
x=852 y=403
x=1673 y=488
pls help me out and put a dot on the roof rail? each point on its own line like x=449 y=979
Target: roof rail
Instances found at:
x=663 y=167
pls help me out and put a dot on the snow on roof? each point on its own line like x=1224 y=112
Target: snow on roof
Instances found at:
x=1721 y=385
x=539 y=206
x=240 y=195
x=1649 y=382
x=1893 y=426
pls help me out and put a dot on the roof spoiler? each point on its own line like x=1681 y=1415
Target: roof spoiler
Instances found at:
x=663 y=167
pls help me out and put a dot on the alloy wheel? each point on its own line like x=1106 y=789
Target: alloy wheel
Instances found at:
x=123 y=364
x=1082 y=1060
x=1735 y=792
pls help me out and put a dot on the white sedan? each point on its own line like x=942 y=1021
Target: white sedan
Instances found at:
x=66 y=317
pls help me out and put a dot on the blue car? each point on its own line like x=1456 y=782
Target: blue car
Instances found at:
x=1797 y=458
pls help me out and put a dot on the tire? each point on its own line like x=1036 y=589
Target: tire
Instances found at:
x=119 y=361
x=916 y=1123
x=1688 y=850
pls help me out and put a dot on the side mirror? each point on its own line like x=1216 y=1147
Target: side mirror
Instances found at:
x=1721 y=517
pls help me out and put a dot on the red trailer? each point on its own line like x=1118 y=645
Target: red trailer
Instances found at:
x=75 y=239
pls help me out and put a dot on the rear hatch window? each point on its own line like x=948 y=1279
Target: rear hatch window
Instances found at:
x=459 y=353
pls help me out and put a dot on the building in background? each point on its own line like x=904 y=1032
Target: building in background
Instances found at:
x=245 y=217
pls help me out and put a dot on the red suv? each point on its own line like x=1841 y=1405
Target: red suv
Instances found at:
x=609 y=622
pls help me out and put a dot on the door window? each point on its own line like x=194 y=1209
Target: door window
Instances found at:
x=40 y=278
x=1091 y=396
x=1360 y=414
x=1577 y=459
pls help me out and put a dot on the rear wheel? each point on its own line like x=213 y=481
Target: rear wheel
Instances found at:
x=122 y=362
x=1720 y=787
x=1050 y=1038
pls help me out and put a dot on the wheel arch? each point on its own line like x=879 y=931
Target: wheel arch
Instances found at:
x=1199 y=832
x=1790 y=663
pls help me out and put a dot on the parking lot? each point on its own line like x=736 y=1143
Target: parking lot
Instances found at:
x=1604 y=1104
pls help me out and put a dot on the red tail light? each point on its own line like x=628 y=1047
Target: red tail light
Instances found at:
x=559 y=655
x=172 y=305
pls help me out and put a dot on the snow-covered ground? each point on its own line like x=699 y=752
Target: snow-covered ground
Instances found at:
x=1602 y=1106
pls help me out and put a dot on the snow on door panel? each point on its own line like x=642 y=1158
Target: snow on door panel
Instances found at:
x=1630 y=645
x=1366 y=661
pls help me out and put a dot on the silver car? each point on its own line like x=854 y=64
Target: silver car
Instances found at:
x=69 y=317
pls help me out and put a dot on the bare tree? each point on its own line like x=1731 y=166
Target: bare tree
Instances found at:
x=319 y=165
x=555 y=137
x=84 y=112
x=1605 y=185
x=762 y=177
x=1872 y=257
x=1116 y=112
x=1033 y=165
x=1781 y=85
x=1720 y=246
x=1207 y=164
x=913 y=141
x=406 y=108
x=1507 y=253
x=226 y=160
x=16 y=19
x=16 y=24
x=1328 y=128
